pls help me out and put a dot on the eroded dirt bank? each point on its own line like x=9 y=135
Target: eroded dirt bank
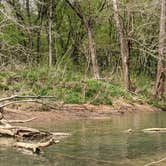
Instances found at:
x=65 y=112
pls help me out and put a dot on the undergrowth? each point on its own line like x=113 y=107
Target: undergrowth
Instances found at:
x=71 y=87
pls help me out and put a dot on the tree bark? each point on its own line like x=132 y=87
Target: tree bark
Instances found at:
x=29 y=24
x=160 y=78
x=124 y=49
x=50 y=33
x=41 y=13
x=92 y=49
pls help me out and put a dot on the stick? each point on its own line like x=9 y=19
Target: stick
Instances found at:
x=8 y=98
x=37 y=97
x=152 y=130
x=21 y=121
x=25 y=97
x=155 y=162
x=22 y=101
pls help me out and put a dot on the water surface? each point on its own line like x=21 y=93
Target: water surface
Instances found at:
x=98 y=142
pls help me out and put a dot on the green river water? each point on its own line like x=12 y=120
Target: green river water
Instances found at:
x=97 y=143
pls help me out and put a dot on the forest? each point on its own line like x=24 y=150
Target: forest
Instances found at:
x=88 y=79
x=84 y=50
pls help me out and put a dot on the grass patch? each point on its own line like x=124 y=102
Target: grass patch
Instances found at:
x=90 y=91
x=71 y=88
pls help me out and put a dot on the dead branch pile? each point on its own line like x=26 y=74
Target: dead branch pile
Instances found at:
x=25 y=133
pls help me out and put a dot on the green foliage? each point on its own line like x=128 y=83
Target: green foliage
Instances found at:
x=18 y=46
x=92 y=88
x=12 y=35
x=72 y=88
x=90 y=91
x=4 y=87
x=42 y=81
x=157 y=103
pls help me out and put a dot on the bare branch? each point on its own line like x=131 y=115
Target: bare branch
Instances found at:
x=21 y=121
x=23 y=97
x=23 y=101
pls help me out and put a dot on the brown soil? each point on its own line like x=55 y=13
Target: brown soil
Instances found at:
x=64 y=112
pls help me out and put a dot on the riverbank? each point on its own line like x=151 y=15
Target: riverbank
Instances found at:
x=76 y=97
x=74 y=87
x=89 y=135
x=66 y=112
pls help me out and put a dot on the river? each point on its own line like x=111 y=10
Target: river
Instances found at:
x=98 y=142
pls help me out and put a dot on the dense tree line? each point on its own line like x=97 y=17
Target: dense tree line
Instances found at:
x=117 y=36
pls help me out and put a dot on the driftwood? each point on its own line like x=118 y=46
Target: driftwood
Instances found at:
x=128 y=131
x=7 y=122
x=26 y=133
x=23 y=97
x=30 y=134
x=21 y=121
x=148 y=130
x=35 y=147
x=26 y=101
x=154 y=130
x=156 y=162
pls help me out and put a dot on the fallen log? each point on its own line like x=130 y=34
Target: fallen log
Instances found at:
x=30 y=134
x=25 y=101
x=61 y=134
x=27 y=133
x=153 y=130
x=7 y=132
x=24 y=132
x=23 y=97
x=7 y=122
x=19 y=132
x=35 y=147
x=21 y=121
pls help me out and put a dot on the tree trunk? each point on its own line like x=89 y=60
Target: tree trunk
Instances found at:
x=38 y=43
x=29 y=24
x=28 y=12
x=160 y=78
x=50 y=33
x=39 y=22
x=92 y=50
x=124 y=49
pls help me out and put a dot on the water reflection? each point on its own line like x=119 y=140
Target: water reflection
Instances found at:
x=99 y=142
